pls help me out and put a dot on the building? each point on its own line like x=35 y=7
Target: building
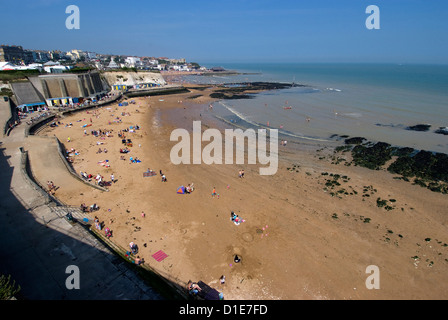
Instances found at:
x=4 y=66
x=27 y=97
x=76 y=54
x=42 y=56
x=13 y=54
x=113 y=65
x=133 y=61
x=91 y=55
x=54 y=67
x=68 y=88
x=29 y=56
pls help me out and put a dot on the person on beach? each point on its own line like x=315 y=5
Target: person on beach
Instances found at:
x=138 y=261
x=133 y=247
x=235 y=218
x=214 y=192
x=97 y=223
x=112 y=178
x=193 y=288
x=83 y=207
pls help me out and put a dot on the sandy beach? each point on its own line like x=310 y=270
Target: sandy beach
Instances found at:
x=301 y=238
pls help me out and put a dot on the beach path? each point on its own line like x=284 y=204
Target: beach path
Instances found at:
x=50 y=166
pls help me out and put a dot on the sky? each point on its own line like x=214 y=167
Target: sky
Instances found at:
x=411 y=31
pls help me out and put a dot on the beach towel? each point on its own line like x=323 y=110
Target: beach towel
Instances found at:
x=104 y=163
x=159 y=255
x=149 y=173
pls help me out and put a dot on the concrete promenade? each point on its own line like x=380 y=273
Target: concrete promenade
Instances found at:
x=37 y=244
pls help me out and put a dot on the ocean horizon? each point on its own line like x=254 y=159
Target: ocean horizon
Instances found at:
x=379 y=102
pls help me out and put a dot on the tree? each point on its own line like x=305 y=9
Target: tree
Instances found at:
x=7 y=290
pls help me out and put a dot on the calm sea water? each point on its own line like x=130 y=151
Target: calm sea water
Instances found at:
x=374 y=101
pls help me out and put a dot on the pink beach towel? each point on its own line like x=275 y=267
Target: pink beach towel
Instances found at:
x=159 y=255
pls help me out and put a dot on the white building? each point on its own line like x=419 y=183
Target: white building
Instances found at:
x=7 y=66
x=133 y=61
x=113 y=64
x=91 y=55
x=54 y=67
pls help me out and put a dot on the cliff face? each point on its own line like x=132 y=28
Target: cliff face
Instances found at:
x=133 y=78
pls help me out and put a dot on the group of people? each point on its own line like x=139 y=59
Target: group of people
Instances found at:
x=235 y=218
x=99 y=227
x=91 y=208
x=85 y=176
x=101 y=133
x=51 y=187
x=134 y=160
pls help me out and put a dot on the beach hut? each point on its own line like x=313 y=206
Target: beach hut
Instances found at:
x=181 y=190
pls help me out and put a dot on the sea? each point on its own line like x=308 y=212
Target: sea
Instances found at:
x=379 y=102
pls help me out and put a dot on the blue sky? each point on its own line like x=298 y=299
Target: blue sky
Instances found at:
x=412 y=31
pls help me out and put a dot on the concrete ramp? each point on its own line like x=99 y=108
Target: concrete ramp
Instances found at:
x=26 y=93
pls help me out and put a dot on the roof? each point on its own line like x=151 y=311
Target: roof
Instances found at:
x=7 y=66
x=51 y=63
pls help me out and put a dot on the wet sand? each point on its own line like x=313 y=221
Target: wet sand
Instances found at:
x=297 y=241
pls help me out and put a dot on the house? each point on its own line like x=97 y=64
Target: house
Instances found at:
x=133 y=61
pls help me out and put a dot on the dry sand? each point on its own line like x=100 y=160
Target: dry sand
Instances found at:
x=297 y=242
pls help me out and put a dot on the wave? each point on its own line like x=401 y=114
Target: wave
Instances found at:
x=238 y=114
x=351 y=114
x=281 y=132
x=333 y=89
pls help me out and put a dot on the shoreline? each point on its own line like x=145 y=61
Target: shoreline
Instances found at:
x=195 y=231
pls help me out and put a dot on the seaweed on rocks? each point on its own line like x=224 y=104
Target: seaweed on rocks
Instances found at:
x=419 y=127
x=372 y=157
x=240 y=92
x=442 y=130
x=355 y=140
x=402 y=152
x=424 y=168
x=424 y=165
x=219 y=95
